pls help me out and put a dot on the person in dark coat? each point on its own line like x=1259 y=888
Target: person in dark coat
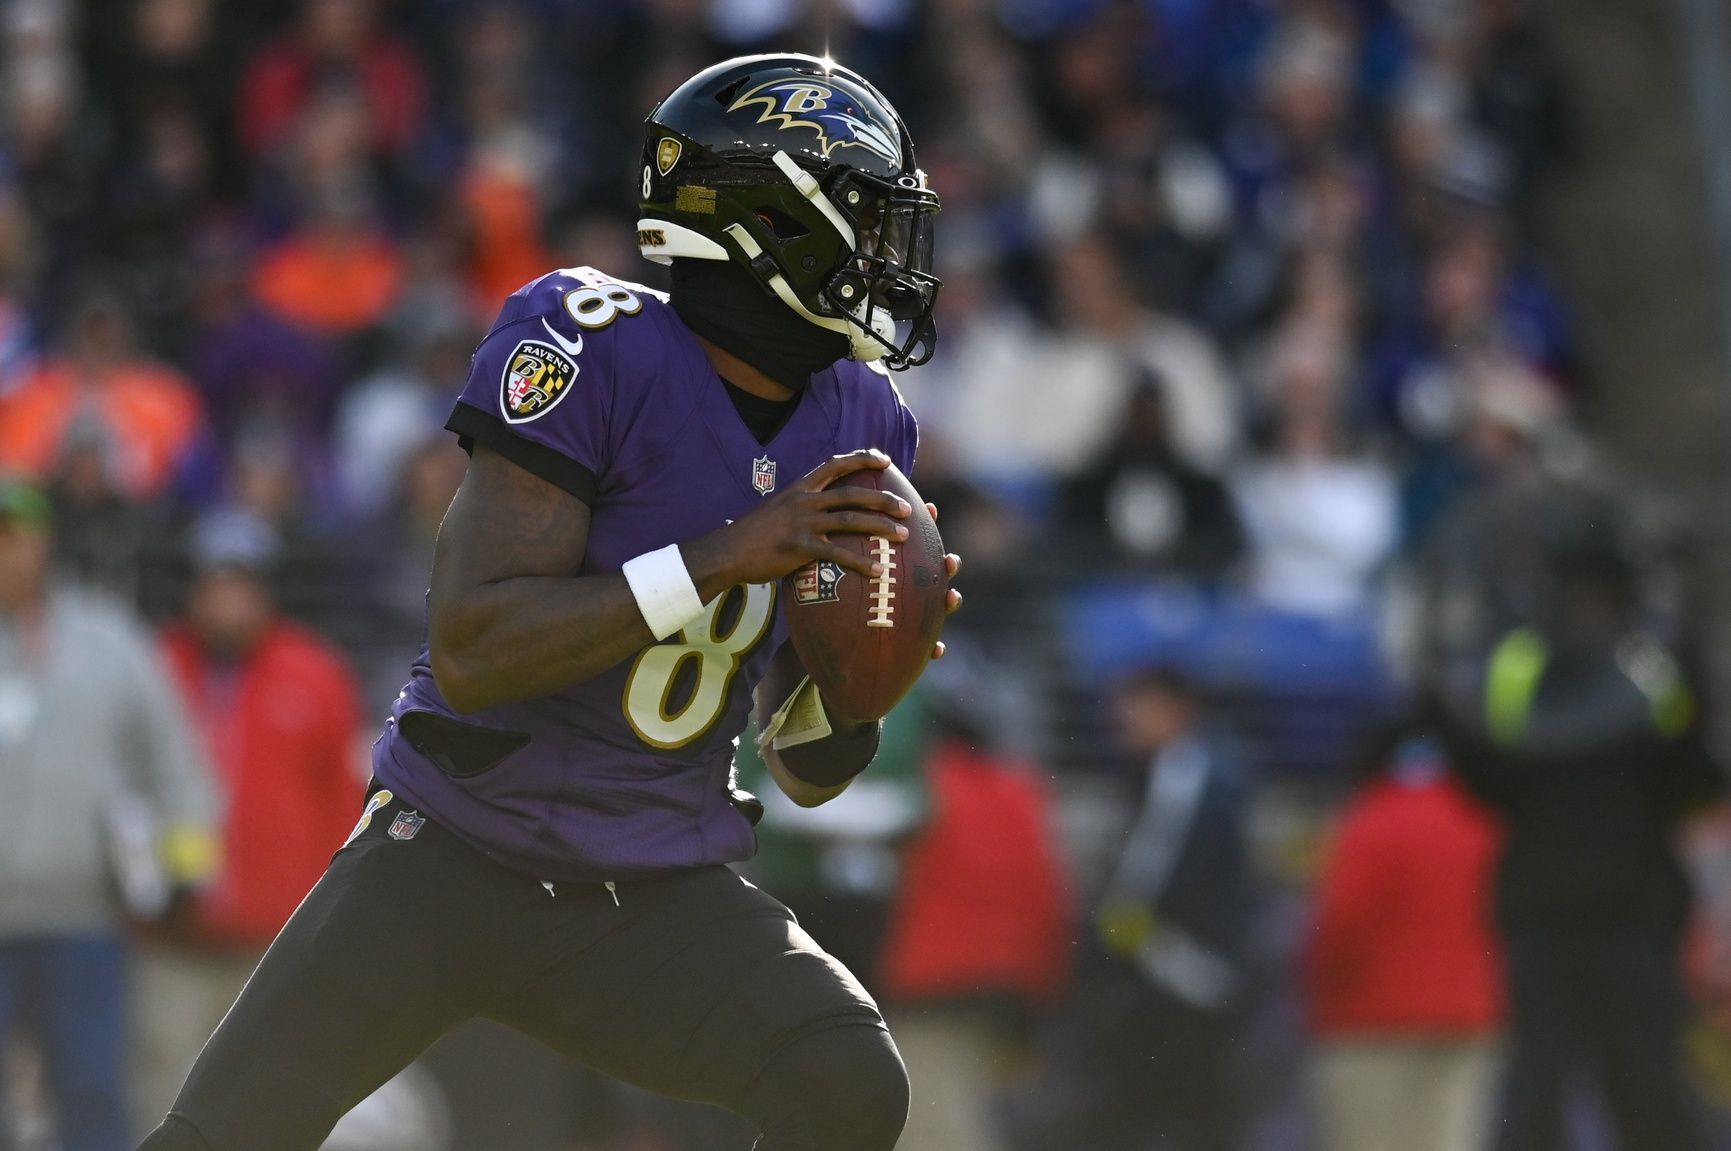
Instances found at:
x=1145 y=1051
x=1587 y=738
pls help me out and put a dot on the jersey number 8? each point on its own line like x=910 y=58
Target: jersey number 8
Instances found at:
x=708 y=651
x=598 y=307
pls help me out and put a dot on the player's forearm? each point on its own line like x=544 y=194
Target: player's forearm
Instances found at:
x=530 y=636
x=802 y=793
x=808 y=771
x=815 y=773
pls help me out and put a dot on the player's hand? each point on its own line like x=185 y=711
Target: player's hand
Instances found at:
x=952 y=565
x=793 y=527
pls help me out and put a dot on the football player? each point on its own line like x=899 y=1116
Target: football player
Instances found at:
x=554 y=805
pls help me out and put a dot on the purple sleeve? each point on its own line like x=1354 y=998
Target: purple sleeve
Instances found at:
x=904 y=438
x=540 y=398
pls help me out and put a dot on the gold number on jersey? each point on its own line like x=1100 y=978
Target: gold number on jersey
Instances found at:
x=707 y=657
x=596 y=307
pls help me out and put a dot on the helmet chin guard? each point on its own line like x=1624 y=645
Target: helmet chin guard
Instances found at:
x=868 y=336
x=799 y=171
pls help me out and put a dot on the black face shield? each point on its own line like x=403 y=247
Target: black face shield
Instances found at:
x=890 y=271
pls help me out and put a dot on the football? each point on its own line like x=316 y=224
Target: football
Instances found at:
x=865 y=641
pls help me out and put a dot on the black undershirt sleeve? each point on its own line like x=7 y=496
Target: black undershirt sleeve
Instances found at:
x=474 y=426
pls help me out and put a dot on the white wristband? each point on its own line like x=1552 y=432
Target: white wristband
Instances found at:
x=663 y=590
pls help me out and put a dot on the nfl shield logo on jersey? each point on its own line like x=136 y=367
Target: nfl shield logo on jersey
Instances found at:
x=763 y=475
x=407 y=825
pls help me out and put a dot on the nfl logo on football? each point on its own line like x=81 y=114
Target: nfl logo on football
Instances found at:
x=817 y=583
x=763 y=475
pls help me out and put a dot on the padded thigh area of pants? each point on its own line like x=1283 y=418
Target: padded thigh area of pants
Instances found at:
x=703 y=983
x=839 y=1089
x=175 y=1134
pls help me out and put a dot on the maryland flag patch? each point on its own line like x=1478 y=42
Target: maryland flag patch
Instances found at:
x=536 y=377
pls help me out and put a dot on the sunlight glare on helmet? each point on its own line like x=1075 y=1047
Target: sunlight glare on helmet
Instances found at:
x=827 y=61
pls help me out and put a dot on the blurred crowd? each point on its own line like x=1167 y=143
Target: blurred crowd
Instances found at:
x=1253 y=416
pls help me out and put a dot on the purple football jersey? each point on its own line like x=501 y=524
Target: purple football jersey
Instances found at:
x=597 y=386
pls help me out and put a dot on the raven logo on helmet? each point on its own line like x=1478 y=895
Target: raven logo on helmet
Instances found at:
x=838 y=121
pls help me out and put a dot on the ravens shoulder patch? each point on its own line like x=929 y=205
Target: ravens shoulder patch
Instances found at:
x=537 y=375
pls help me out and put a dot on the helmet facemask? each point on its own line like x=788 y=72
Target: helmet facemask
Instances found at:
x=880 y=293
x=889 y=275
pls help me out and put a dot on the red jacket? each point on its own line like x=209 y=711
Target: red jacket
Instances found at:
x=1402 y=942
x=284 y=76
x=282 y=730
x=982 y=906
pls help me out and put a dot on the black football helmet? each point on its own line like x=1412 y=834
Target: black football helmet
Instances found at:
x=799 y=171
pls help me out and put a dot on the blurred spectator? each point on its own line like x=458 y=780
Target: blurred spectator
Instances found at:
x=1023 y=403
x=151 y=415
x=163 y=71
x=53 y=144
x=100 y=536
x=968 y=397
x=278 y=710
x=1140 y=506
x=1402 y=974
x=258 y=372
x=1146 y=1048
x=337 y=46
x=1517 y=94
x=1482 y=513
x=337 y=272
x=1319 y=518
x=399 y=541
x=267 y=478
x=984 y=106
x=979 y=928
x=1505 y=438
x=16 y=265
x=1166 y=202
x=107 y=811
x=1472 y=305
x=168 y=61
x=387 y=416
x=1591 y=747
x=1108 y=337
x=512 y=170
x=1284 y=150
